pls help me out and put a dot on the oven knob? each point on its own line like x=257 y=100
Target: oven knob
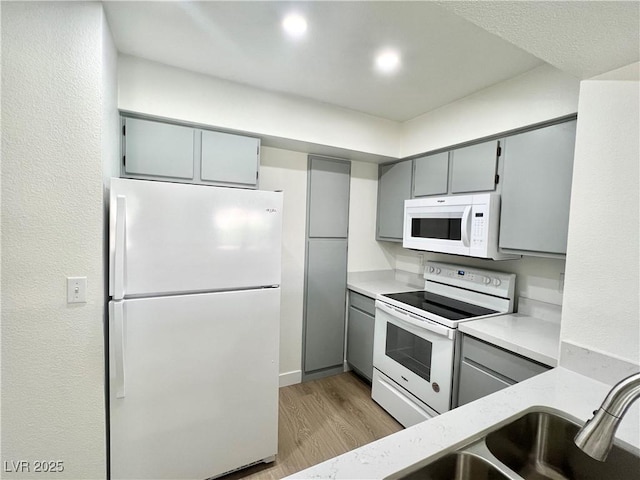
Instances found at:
x=438 y=271
x=432 y=269
x=496 y=282
x=487 y=280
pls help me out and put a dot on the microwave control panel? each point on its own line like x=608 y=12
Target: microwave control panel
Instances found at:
x=478 y=228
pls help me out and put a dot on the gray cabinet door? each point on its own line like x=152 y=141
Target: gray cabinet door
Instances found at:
x=158 y=149
x=360 y=334
x=431 y=175
x=394 y=187
x=326 y=289
x=328 y=198
x=473 y=168
x=228 y=158
x=538 y=168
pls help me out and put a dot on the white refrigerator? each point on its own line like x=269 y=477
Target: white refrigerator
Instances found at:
x=194 y=280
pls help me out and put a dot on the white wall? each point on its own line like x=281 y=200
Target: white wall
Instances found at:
x=601 y=307
x=541 y=94
x=53 y=86
x=287 y=171
x=155 y=89
x=364 y=253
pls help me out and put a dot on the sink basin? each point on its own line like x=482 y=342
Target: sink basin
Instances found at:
x=458 y=466
x=540 y=446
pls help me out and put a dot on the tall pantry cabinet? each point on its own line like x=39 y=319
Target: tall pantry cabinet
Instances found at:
x=326 y=267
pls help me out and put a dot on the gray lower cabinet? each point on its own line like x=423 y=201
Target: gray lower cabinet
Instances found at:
x=165 y=151
x=394 y=187
x=431 y=175
x=326 y=267
x=536 y=192
x=474 y=168
x=361 y=323
x=485 y=368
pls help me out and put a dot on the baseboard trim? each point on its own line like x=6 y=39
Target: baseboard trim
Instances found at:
x=290 y=378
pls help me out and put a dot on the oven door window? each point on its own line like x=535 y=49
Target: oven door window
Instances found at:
x=409 y=350
x=437 y=228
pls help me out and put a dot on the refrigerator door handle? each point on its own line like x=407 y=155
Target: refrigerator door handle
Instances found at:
x=120 y=246
x=119 y=346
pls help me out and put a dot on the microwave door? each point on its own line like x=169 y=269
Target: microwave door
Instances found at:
x=444 y=229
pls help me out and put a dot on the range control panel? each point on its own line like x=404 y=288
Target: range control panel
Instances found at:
x=479 y=280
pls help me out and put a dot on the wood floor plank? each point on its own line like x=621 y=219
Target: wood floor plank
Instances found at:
x=319 y=420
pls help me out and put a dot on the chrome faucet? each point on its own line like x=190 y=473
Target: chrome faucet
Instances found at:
x=595 y=438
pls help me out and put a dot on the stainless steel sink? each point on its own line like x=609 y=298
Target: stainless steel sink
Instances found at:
x=535 y=446
x=540 y=446
x=455 y=466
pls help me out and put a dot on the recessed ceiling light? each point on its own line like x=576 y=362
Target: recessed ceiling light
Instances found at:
x=388 y=61
x=295 y=25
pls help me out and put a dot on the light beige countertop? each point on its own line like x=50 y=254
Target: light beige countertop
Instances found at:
x=533 y=332
x=372 y=283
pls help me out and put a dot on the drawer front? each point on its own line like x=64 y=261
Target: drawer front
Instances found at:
x=366 y=304
x=476 y=383
x=507 y=364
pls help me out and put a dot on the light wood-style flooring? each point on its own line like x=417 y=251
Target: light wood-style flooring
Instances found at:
x=319 y=420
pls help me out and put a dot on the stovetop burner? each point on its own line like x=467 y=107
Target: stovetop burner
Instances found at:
x=445 y=307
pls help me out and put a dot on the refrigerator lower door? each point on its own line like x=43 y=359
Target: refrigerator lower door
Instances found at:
x=193 y=383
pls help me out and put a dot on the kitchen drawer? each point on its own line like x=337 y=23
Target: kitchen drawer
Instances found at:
x=507 y=364
x=475 y=383
x=366 y=304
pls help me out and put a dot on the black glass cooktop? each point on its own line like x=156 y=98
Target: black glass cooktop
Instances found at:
x=442 y=306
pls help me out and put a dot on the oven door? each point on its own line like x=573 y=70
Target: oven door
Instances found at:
x=437 y=228
x=416 y=353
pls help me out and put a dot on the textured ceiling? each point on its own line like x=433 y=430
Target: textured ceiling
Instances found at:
x=583 y=38
x=449 y=49
x=444 y=57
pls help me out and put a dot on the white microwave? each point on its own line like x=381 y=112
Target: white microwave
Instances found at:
x=459 y=225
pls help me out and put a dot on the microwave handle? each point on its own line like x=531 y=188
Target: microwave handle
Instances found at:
x=466 y=226
x=415 y=321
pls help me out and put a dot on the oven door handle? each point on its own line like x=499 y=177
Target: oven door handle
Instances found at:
x=407 y=317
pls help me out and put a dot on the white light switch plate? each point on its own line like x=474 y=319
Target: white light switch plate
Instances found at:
x=76 y=289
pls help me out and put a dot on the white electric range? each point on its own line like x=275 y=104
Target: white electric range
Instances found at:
x=416 y=332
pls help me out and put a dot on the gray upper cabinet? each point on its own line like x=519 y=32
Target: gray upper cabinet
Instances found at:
x=538 y=168
x=431 y=175
x=474 y=168
x=158 y=149
x=328 y=198
x=394 y=187
x=228 y=158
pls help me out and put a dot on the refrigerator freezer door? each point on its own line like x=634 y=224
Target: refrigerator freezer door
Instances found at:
x=200 y=384
x=174 y=238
